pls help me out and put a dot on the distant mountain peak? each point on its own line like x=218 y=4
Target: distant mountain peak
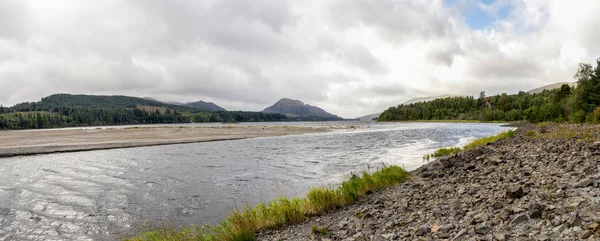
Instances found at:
x=205 y=106
x=296 y=108
x=287 y=101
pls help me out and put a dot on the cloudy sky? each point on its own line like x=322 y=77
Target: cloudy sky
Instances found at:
x=350 y=57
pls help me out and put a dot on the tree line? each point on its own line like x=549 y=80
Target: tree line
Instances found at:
x=566 y=104
x=68 y=116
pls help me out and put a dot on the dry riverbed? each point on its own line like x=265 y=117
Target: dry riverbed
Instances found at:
x=32 y=142
x=543 y=184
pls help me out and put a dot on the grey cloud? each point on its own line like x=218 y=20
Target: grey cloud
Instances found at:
x=397 y=20
x=245 y=54
x=15 y=19
x=493 y=66
x=356 y=54
x=359 y=55
x=238 y=25
x=445 y=53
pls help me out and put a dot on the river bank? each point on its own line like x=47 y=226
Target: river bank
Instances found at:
x=33 y=142
x=539 y=185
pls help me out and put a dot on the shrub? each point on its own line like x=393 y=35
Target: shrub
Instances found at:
x=542 y=127
x=530 y=133
x=595 y=116
x=446 y=151
x=324 y=199
x=578 y=117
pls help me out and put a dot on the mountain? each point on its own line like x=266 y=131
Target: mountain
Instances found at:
x=551 y=87
x=100 y=101
x=300 y=111
x=368 y=117
x=67 y=110
x=201 y=105
x=209 y=106
x=425 y=99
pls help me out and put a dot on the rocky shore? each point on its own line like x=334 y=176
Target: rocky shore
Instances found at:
x=543 y=184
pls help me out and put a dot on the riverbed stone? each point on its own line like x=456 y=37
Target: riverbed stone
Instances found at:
x=515 y=189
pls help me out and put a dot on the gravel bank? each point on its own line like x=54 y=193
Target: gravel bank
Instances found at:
x=536 y=186
x=33 y=142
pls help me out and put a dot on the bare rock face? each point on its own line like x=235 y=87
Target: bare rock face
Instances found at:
x=517 y=189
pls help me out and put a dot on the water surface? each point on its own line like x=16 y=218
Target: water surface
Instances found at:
x=99 y=195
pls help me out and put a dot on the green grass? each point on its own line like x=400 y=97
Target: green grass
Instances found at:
x=243 y=223
x=317 y=230
x=486 y=140
x=589 y=134
x=445 y=151
x=453 y=121
x=474 y=144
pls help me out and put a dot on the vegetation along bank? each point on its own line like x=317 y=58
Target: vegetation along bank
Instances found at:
x=567 y=104
x=541 y=184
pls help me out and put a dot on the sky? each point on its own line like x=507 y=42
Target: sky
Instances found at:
x=349 y=57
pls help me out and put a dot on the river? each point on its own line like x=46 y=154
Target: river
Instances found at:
x=101 y=195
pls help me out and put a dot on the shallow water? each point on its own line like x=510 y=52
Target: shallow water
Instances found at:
x=100 y=195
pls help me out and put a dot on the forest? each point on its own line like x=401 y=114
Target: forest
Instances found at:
x=567 y=104
x=64 y=110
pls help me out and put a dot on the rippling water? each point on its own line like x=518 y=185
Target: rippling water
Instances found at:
x=100 y=195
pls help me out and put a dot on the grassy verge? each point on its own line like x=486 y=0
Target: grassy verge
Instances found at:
x=453 y=121
x=443 y=152
x=474 y=144
x=486 y=140
x=244 y=223
x=560 y=132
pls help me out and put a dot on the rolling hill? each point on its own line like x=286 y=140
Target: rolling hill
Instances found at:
x=425 y=99
x=300 y=111
x=97 y=101
x=368 y=117
x=551 y=87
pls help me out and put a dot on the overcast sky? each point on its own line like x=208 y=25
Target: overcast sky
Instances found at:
x=350 y=57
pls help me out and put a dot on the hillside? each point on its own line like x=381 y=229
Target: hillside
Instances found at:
x=551 y=87
x=368 y=117
x=425 y=99
x=66 y=110
x=95 y=101
x=209 y=106
x=300 y=111
x=577 y=104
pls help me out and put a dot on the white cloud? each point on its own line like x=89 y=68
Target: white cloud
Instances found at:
x=349 y=57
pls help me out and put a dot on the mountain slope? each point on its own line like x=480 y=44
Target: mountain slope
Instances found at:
x=368 y=117
x=299 y=110
x=209 y=106
x=551 y=87
x=99 y=101
x=425 y=99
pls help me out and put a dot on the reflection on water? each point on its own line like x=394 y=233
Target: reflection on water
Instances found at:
x=99 y=195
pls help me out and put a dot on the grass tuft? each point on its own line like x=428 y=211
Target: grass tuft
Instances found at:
x=242 y=224
x=446 y=151
x=487 y=140
x=474 y=144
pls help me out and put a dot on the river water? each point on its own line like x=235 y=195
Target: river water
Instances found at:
x=101 y=195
